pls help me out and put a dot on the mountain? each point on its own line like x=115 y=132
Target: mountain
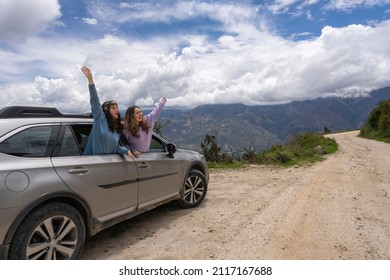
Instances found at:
x=238 y=126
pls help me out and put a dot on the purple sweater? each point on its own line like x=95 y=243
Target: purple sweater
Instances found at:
x=142 y=143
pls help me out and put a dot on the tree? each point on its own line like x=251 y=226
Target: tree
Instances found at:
x=159 y=125
x=249 y=155
x=378 y=122
x=210 y=148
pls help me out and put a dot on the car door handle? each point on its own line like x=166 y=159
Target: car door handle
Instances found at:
x=79 y=170
x=143 y=165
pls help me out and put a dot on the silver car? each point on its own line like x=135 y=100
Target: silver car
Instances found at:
x=52 y=198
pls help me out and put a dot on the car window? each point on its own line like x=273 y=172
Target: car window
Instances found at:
x=156 y=145
x=81 y=132
x=69 y=146
x=32 y=142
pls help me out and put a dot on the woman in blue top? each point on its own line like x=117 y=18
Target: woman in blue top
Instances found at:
x=107 y=125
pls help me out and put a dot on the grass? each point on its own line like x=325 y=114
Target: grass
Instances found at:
x=303 y=149
x=375 y=136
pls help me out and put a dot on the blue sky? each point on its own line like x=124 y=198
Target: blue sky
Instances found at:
x=193 y=52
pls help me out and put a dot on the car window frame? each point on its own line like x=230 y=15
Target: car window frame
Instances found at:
x=156 y=139
x=50 y=143
x=71 y=126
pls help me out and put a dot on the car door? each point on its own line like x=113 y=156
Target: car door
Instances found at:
x=160 y=177
x=107 y=182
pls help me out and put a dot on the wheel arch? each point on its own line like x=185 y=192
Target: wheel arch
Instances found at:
x=65 y=197
x=197 y=166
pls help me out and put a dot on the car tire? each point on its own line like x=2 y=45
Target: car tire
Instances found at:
x=54 y=231
x=194 y=189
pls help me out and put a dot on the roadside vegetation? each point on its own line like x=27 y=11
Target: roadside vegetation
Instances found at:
x=377 y=126
x=300 y=150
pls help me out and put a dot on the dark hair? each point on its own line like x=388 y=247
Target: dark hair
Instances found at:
x=106 y=105
x=115 y=125
x=131 y=125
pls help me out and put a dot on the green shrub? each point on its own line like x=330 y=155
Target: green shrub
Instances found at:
x=377 y=125
x=304 y=148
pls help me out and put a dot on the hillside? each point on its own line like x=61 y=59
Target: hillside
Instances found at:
x=239 y=126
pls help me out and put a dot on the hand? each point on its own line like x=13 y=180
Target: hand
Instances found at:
x=136 y=153
x=88 y=74
x=130 y=154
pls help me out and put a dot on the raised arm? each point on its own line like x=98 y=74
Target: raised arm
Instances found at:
x=88 y=74
x=94 y=98
x=152 y=116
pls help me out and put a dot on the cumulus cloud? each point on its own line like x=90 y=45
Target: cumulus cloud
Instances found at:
x=245 y=64
x=21 y=17
x=258 y=70
x=261 y=70
x=68 y=93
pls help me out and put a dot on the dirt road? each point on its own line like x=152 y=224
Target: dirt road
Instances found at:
x=335 y=209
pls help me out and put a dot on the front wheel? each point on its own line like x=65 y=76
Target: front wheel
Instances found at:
x=54 y=231
x=194 y=189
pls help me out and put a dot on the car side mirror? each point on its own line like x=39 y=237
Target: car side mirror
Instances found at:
x=171 y=149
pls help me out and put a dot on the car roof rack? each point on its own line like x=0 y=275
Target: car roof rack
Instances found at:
x=37 y=112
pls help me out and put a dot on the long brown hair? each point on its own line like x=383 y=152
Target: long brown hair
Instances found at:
x=131 y=125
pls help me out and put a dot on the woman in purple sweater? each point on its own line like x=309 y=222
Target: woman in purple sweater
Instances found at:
x=138 y=128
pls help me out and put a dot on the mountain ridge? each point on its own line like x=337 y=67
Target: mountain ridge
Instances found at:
x=239 y=126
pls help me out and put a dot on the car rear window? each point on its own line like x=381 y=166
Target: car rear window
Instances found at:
x=31 y=142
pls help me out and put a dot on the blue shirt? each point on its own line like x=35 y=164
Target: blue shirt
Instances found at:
x=101 y=140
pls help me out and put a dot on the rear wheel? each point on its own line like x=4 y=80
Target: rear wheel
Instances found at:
x=194 y=189
x=54 y=231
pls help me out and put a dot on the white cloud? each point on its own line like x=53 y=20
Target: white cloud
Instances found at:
x=230 y=15
x=248 y=65
x=39 y=56
x=298 y=6
x=90 y=21
x=281 y=6
x=352 y=4
x=263 y=70
x=68 y=93
x=22 y=17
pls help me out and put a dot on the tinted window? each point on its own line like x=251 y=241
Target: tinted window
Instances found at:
x=156 y=146
x=81 y=132
x=32 y=142
x=69 y=146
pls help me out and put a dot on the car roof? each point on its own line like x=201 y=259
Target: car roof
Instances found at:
x=37 y=112
x=13 y=117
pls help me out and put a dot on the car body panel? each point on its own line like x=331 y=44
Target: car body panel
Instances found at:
x=108 y=182
x=44 y=168
x=22 y=181
x=158 y=176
